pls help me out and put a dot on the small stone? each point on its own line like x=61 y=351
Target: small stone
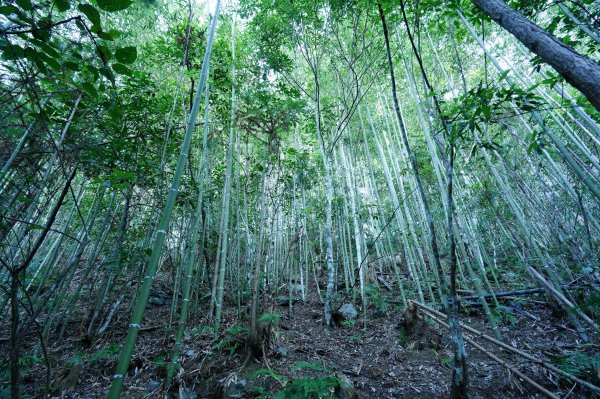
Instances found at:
x=284 y=300
x=235 y=391
x=152 y=385
x=348 y=312
x=190 y=353
x=241 y=384
x=187 y=393
x=281 y=351
x=297 y=290
x=157 y=301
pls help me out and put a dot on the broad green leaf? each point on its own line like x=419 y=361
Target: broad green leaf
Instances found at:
x=91 y=13
x=503 y=75
x=24 y=4
x=107 y=73
x=533 y=146
x=7 y=10
x=48 y=49
x=62 y=5
x=121 y=69
x=12 y=52
x=31 y=54
x=52 y=63
x=487 y=112
x=93 y=70
x=41 y=66
x=114 y=33
x=73 y=66
x=126 y=55
x=43 y=33
x=105 y=35
x=90 y=89
x=81 y=26
x=114 y=111
x=113 y=5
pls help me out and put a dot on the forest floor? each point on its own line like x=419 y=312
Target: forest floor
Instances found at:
x=378 y=362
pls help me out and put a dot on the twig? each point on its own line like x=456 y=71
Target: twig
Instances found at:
x=16 y=32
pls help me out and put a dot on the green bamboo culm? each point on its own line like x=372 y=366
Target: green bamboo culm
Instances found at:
x=226 y=195
x=185 y=304
x=142 y=300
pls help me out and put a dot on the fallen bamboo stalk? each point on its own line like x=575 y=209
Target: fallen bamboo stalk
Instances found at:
x=510 y=348
x=505 y=294
x=561 y=298
x=514 y=293
x=383 y=282
x=506 y=365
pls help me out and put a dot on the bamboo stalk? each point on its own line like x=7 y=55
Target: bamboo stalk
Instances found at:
x=141 y=302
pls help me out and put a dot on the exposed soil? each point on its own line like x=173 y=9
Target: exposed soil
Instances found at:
x=379 y=362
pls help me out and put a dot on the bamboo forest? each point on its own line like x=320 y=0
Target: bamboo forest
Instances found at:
x=299 y=199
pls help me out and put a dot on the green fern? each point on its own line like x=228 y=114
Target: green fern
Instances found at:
x=348 y=323
x=321 y=387
x=237 y=330
x=227 y=344
x=578 y=364
x=269 y=318
x=270 y=373
x=304 y=388
x=112 y=351
x=310 y=366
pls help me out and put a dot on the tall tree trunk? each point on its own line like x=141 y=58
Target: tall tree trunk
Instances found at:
x=578 y=70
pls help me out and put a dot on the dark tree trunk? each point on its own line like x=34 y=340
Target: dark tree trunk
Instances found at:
x=578 y=70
